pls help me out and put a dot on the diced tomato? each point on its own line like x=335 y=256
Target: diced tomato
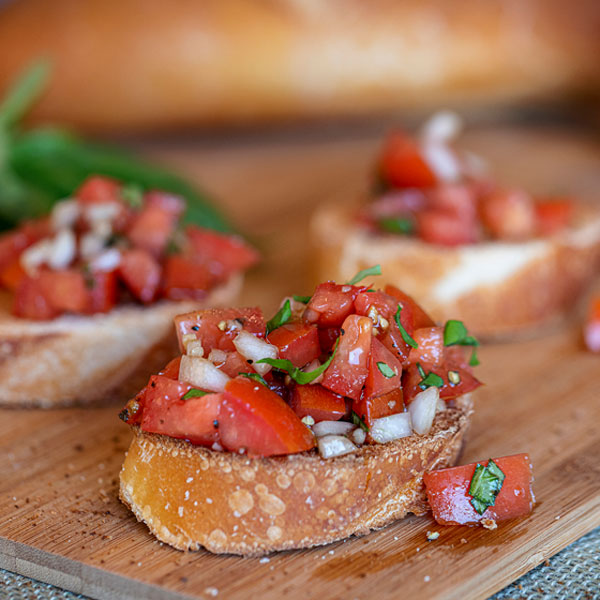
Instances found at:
x=347 y=372
x=377 y=407
x=14 y=242
x=411 y=378
x=141 y=273
x=98 y=190
x=171 y=369
x=223 y=254
x=153 y=226
x=186 y=278
x=102 y=291
x=204 y=324
x=445 y=228
x=402 y=164
x=257 y=421
x=65 y=290
x=234 y=364
x=591 y=330
x=552 y=215
x=12 y=274
x=315 y=401
x=379 y=303
x=30 y=301
x=384 y=373
x=455 y=199
x=508 y=214
x=298 y=342
x=430 y=348
x=328 y=337
x=164 y=411
x=448 y=492
x=331 y=304
x=419 y=317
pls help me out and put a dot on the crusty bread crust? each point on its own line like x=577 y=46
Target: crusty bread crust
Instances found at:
x=245 y=61
x=192 y=497
x=498 y=289
x=80 y=360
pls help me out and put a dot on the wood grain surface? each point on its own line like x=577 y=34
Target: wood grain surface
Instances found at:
x=61 y=521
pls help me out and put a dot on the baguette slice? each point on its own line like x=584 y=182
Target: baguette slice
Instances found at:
x=498 y=289
x=192 y=497
x=80 y=360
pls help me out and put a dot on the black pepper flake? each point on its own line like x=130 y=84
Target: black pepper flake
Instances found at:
x=153 y=384
x=216 y=424
x=195 y=328
x=342 y=332
x=249 y=361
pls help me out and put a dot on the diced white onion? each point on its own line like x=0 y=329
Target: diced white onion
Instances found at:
x=217 y=356
x=105 y=211
x=195 y=348
x=335 y=445
x=63 y=250
x=442 y=160
x=254 y=349
x=391 y=428
x=36 y=255
x=422 y=409
x=102 y=229
x=359 y=436
x=64 y=214
x=332 y=428
x=443 y=126
x=440 y=406
x=90 y=245
x=201 y=373
x=109 y=260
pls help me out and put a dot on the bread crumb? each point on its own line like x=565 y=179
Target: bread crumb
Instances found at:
x=463 y=541
x=433 y=535
x=489 y=524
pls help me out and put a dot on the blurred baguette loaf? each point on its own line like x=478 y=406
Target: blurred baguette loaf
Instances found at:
x=139 y=65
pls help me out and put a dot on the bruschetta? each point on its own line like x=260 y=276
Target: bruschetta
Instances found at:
x=494 y=257
x=89 y=293
x=298 y=431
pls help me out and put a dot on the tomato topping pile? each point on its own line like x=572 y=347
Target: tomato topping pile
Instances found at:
x=347 y=354
x=112 y=243
x=472 y=493
x=428 y=189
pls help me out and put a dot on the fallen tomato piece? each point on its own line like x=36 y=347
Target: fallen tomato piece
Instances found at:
x=449 y=498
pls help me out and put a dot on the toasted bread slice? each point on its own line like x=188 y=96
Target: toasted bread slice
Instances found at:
x=192 y=497
x=79 y=360
x=498 y=289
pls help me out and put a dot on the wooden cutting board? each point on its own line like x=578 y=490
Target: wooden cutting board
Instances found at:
x=61 y=521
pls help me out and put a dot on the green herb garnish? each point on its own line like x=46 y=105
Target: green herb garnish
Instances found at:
x=359 y=422
x=255 y=377
x=400 y=225
x=283 y=315
x=133 y=195
x=429 y=379
x=403 y=331
x=485 y=486
x=456 y=334
x=386 y=370
x=194 y=393
x=294 y=372
x=303 y=299
x=371 y=271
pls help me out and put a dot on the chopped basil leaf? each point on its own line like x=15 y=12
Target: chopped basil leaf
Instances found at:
x=485 y=486
x=283 y=315
x=255 y=377
x=455 y=334
x=359 y=422
x=194 y=393
x=429 y=380
x=376 y=270
x=403 y=331
x=294 y=372
x=303 y=299
x=386 y=370
x=133 y=194
x=400 y=225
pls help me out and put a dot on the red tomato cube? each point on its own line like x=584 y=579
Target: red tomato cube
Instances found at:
x=508 y=214
x=402 y=164
x=298 y=342
x=448 y=492
x=552 y=215
x=315 y=401
x=141 y=273
x=186 y=278
x=65 y=290
x=430 y=348
x=331 y=304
